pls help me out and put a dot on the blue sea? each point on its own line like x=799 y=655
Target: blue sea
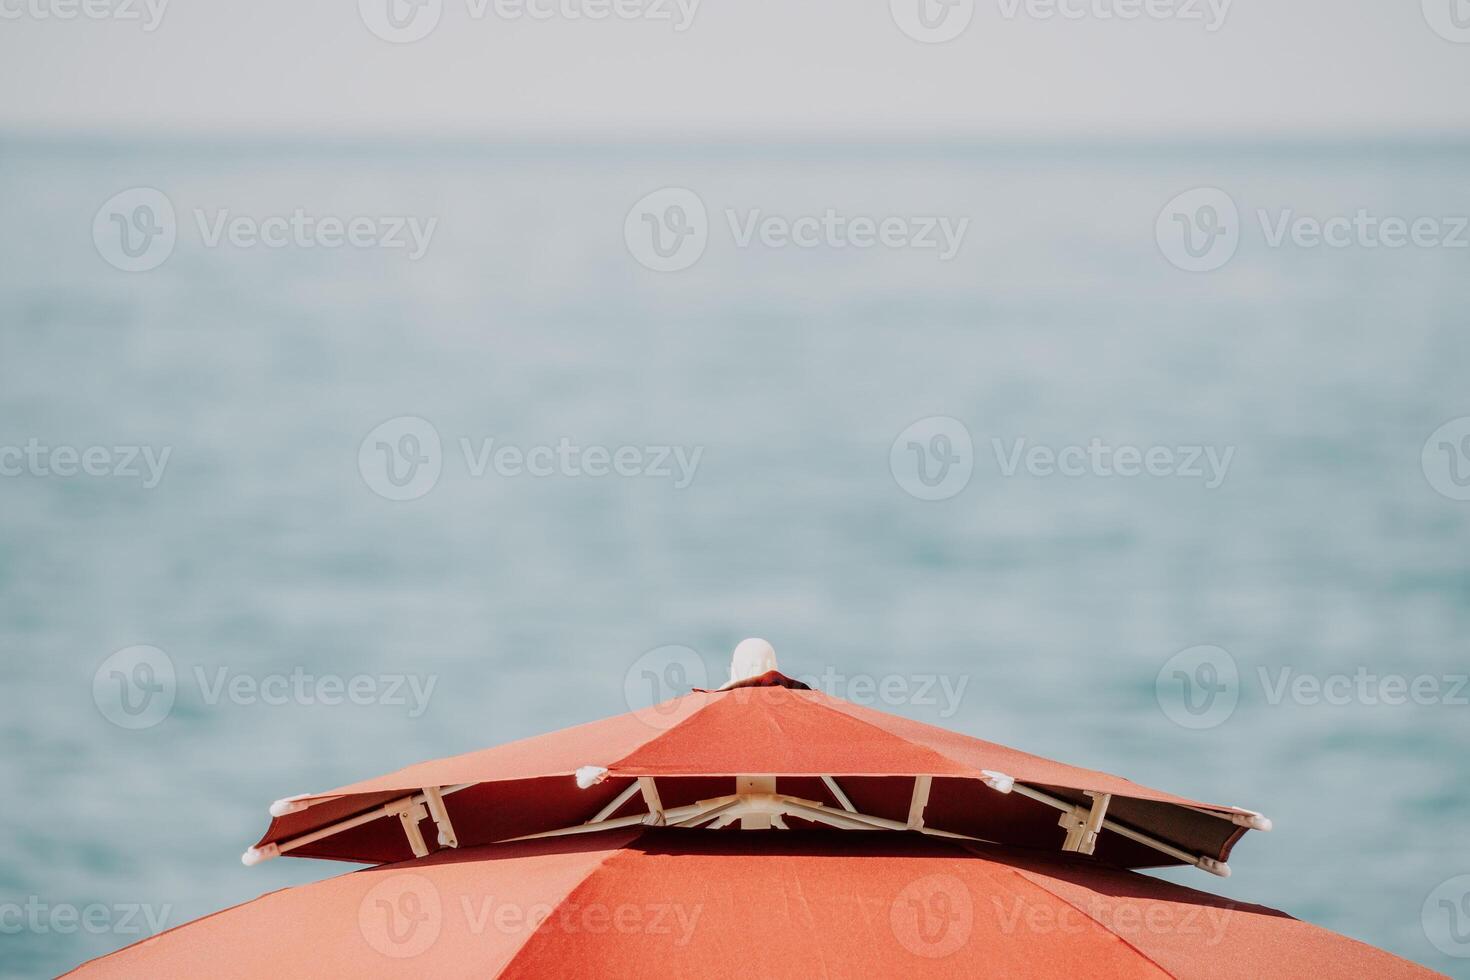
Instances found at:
x=865 y=494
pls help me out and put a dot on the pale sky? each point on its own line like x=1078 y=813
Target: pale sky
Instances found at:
x=802 y=67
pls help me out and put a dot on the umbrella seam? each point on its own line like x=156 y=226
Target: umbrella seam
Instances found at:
x=1101 y=925
x=879 y=728
x=1225 y=848
x=148 y=940
x=606 y=859
x=1176 y=800
x=643 y=746
x=409 y=789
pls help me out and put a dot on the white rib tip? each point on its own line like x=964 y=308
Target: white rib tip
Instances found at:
x=752 y=658
x=997 y=781
x=255 y=855
x=1253 y=820
x=590 y=776
x=290 y=804
x=1217 y=868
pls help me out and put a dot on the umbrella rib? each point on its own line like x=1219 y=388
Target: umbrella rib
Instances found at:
x=704 y=815
x=616 y=802
x=671 y=817
x=649 y=787
x=257 y=854
x=853 y=820
x=838 y=794
x=1249 y=819
x=1212 y=865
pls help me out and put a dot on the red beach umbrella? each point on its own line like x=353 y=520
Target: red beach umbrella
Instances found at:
x=883 y=847
x=838 y=764
x=664 y=902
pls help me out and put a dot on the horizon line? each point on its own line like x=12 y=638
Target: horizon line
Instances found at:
x=889 y=141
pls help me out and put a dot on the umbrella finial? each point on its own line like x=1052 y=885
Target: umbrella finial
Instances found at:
x=752 y=658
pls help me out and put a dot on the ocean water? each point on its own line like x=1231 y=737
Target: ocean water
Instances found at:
x=1331 y=545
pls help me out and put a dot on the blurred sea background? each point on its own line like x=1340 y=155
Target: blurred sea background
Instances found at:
x=1057 y=600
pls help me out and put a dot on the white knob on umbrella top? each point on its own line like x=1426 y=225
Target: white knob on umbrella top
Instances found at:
x=752 y=658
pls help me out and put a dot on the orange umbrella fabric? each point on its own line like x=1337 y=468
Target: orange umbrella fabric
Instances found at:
x=694 y=745
x=664 y=902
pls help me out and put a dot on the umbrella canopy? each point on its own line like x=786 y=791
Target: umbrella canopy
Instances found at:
x=664 y=902
x=788 y=755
